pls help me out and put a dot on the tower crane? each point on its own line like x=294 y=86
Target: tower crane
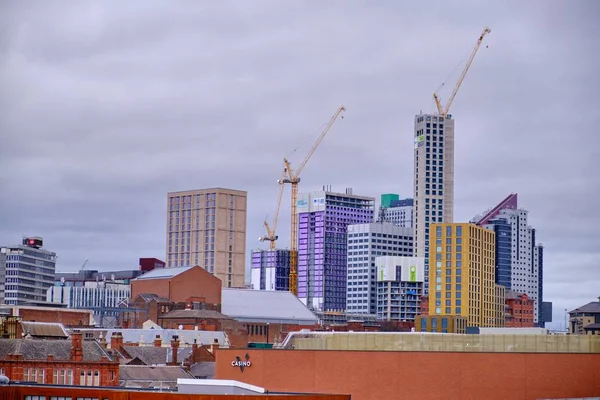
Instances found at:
x=270 y=236
x=293 y=177
x=443 y=111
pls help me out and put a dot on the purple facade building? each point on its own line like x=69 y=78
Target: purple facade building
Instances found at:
x=270 y=270
x=323 y=218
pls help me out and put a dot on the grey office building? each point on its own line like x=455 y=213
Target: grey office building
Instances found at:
x=365 y=242
x=29 y=272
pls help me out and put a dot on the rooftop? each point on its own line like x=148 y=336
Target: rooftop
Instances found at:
x=40 y=349
x=265 y=306
x=592 y=307
x=199 y=314
x=186 y=337
x=44 y=329
x=143 y=376
x=163 y=273
x=442 y=342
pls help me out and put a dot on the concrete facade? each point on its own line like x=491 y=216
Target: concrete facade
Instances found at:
x=433 y=179
x=366 y=242
x=207 y=227
x=28 y=271
x=400 y=213
x=399 y=287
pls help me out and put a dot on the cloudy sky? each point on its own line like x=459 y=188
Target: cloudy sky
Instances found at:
x=107 y=106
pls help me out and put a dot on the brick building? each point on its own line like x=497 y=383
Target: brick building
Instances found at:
x=62 y=362
x=67 y=317
x=268 y=316
x=519 y=310
x=179 y=284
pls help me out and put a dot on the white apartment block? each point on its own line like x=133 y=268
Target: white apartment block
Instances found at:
x=399 y=287
x=433 y=179
x=365 y=243
x=400 y=216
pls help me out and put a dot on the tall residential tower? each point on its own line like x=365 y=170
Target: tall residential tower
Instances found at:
x=433 y=179
x=207 y=227
x=324 y=217
x=519 y=259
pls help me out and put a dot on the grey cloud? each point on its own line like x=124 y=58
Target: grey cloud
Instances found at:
x=105 y=107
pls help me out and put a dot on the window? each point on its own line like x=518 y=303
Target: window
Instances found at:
x=35 y=397
x=60 y=398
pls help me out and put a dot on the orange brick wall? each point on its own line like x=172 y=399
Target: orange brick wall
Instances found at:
x=195 y=282
x=67 y=318
x=417 y=375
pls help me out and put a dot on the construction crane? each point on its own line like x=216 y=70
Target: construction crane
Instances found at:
x=84 y=264
x=271 y=236
x=443 y=111
x=293 y=177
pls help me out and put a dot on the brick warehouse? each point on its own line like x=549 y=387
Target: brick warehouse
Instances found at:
x=179 y=284
x=62 y=362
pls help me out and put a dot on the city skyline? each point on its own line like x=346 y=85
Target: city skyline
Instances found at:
x=100 y=127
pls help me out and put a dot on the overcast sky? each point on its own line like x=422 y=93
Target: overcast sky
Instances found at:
x=107 y=106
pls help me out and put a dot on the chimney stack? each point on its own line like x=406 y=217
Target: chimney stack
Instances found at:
x=174 y=348
x=102 y=342
x=157 y=341
x=116 y=341
x=76 y=346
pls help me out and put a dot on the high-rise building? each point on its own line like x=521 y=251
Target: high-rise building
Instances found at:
x=519 y=261
x=399 y=287
x=433 y=179
x=462 y=274
x=324 y=217
x=365 y=243
x=400 y=213
x=270 y=270
x=207 y=227
x=29 y=272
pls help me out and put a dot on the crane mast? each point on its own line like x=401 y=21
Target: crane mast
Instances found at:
x=443 y=111
x=293 y=177
x=271 y=236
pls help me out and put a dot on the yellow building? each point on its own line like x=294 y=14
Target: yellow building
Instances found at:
x=462 y=274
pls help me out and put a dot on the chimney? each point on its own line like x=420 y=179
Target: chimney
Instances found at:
x=102 y=342
x=76 y=346
x=214 y=346
x=157 y=341
x=174 y=348
x=116 y=341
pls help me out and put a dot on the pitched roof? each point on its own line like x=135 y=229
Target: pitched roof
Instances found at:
x=40 y=349
x=265 y=306
x=148 y=297
x=145 y=373
x=163 y=273
x=44 y=329
x=199 y=314
x=591 y=307
x=156 y=355
x=203 y=370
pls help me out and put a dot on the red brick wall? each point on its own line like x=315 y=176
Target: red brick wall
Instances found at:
x=195 y=282
x=109 y=371
x=521 y=312
x=65 y=317
x=375 y=375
